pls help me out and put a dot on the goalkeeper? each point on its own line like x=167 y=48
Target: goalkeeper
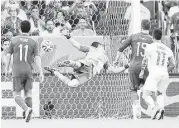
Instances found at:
x=93 y=63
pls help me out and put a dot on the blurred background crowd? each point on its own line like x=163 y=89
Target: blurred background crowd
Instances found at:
x=87 y=18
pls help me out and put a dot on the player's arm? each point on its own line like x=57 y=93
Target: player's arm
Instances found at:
x=171 y=63
x=144 y=62
x=77 y=45
x=124 y=45
x=38 y=62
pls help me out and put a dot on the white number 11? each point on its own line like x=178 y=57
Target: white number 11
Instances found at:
x=26 y=50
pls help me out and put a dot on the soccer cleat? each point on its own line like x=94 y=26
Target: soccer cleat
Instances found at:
x=155 y=115
x=23 y=115
x=51 y=70
x=161 y=115
x=29 y=115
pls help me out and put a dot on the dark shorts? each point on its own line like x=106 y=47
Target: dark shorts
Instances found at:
x=83 y=74
x=135 y=80
x=22 y=83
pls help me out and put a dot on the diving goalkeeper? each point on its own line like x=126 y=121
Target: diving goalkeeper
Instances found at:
x=85 y=69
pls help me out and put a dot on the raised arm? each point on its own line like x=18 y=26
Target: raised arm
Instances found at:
x=77 y=45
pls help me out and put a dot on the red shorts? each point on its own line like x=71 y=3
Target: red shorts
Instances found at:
x=135 y=80
x=20 y=83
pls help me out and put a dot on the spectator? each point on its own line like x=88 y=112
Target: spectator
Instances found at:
x=50 y=29
x=144 y=14
x=26 y=7
x=7 y=34
x=5 y=45
x=13 y=22
x=61 y=25
x=37 y=25
x=82 y=30
x=14 y=4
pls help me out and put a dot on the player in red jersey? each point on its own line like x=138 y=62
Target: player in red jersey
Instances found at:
x=138 y=42
x=24 y=49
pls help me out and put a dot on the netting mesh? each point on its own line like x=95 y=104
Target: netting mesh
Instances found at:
x=106 y=95
x=102 y=97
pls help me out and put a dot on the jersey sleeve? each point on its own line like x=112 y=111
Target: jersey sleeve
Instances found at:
x=125 y=44
x=84 y=48
x=10 y=50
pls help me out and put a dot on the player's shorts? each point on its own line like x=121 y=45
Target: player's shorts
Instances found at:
x=135 y=81
x=22 y=83
x=156 y=82
x=83 y=74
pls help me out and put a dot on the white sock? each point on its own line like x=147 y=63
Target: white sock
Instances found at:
x=62 y=77
x=160 y=101
x=149 y=101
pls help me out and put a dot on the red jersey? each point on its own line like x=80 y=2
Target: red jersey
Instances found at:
x=138 y=43
x=24 y=49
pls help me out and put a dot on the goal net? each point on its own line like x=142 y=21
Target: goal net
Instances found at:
x=104 y=96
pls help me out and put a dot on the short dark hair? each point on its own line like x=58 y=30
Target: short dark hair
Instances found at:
x=145 y=24
x=95 y=44
x=157 y=34
x=25 y=26
x=4 y=40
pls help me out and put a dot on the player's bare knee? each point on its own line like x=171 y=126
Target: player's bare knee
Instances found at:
x=17 y=93
x=28 y=93
x=73 y=83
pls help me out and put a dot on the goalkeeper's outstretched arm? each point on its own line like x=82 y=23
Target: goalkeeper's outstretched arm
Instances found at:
x=77 y=45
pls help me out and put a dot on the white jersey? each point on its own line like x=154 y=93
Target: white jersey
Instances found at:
x=158 y=55
x=96 y=57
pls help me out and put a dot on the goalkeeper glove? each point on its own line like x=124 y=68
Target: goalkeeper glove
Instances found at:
x=68 y=36
x=126 y=66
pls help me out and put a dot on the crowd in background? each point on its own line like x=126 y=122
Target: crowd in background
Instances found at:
x=81 y=18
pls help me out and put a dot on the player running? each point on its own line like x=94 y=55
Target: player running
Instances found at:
x=23 y=49
x=160 y=62
x=138 y=42
x=87 y=68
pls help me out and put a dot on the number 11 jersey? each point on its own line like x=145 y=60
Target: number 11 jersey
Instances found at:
x=24 y=49
x=138 y=43
x=158 y=55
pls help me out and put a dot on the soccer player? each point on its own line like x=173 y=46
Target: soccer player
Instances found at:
x=24 y=49
x=138 y=42
x=86 y=68
x=160 y=62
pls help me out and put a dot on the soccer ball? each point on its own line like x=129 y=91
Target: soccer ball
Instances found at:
x=47 y=46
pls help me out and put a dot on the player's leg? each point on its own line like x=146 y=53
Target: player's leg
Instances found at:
x=149 y=94
x=28 y=97
x=69 y=63
x=17 y=88
x=161 y=90
x=135 y=83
